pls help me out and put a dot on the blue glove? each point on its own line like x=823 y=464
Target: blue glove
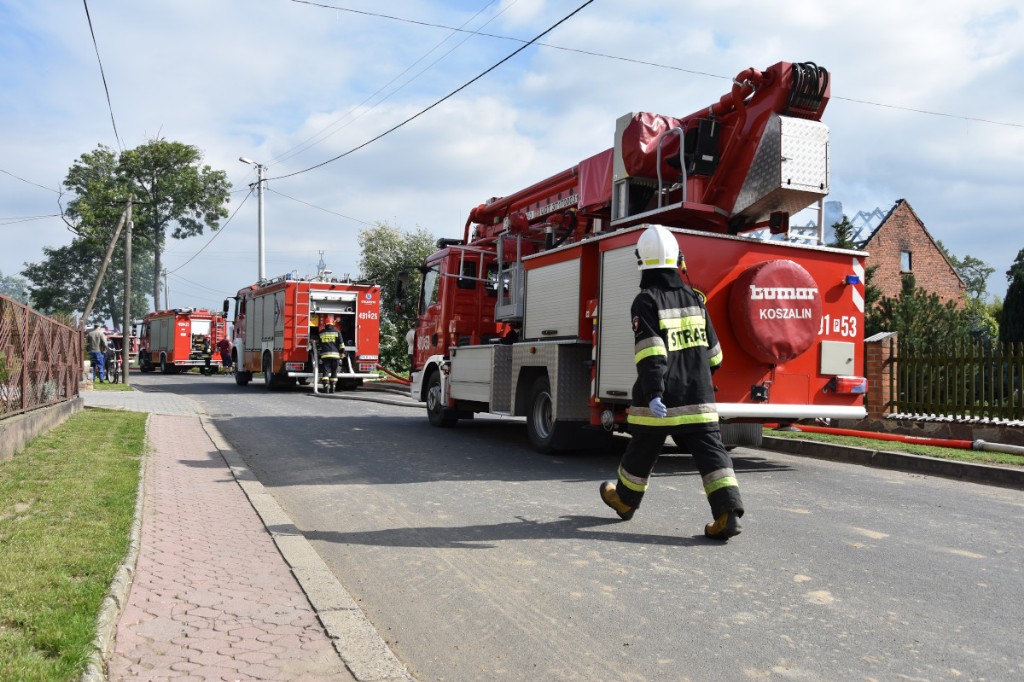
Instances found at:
x=658 y=408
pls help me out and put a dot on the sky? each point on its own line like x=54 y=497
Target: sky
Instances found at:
x=927 y=106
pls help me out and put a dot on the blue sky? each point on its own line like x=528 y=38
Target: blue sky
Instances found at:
x=926 y=106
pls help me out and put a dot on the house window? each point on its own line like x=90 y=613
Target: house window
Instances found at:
x=905 y=261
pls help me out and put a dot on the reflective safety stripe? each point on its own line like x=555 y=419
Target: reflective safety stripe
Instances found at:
x=719 y=478
x=715 y=356
x=658 y=261
x=632 y=482
x=671 y=420
x=726 y=482
x=648 y=347
x=674 y=313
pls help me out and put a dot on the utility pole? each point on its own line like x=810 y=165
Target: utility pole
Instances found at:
x=103 y=268
x=164 y=274
x=260 y=170
x=126 y=324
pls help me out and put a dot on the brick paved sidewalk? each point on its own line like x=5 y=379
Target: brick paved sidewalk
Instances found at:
x=212 y=597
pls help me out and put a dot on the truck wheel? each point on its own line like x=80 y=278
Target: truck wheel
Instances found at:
x=164 y=368
x=243 y=378
x=349 y=384
x=437 y=413
x=547 y=436
x=270 y=380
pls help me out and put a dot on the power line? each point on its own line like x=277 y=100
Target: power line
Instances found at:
x=320 y=208
x=323 y=134
x=25 y=219
x=29 y=182
x=215 y=235
x=443 y=99
x=641 y=62
x=102 y=75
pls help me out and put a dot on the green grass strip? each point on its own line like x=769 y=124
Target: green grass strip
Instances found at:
x=67 y=503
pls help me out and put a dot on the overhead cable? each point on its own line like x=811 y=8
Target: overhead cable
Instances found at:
x=443 y=99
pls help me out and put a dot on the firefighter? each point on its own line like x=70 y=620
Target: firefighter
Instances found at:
x=330 y=352
x=675 y=350
x=206 y=351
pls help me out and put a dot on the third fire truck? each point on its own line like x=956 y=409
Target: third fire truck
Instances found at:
x=528 y=314
x=277 y=321
x=172 y=340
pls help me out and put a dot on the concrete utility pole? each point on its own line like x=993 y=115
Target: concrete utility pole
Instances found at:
x=166 y=304
x=126 y=325
x=260 y=170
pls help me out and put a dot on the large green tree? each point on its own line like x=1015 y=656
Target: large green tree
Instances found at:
x=975 y=273
x=1011 y=320
x=386 y=251
x=173 y=193
x=63 y=280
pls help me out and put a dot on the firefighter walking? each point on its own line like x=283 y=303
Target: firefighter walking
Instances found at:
x=675 y=350
x=329 y=350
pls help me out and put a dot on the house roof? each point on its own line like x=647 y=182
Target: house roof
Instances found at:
x=885 y=221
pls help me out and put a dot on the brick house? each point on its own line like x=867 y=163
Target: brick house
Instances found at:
x=901 y=245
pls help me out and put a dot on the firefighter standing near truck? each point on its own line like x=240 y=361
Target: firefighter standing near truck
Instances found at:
x=330 y=352
x=675 y=350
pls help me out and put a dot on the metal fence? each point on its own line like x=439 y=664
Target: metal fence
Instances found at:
x=41 y=359
x=970 y=380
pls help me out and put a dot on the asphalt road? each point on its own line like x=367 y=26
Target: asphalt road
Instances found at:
x=478 y=559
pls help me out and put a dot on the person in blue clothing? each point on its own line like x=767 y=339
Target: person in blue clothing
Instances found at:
x=96 y=341
x=675 y=350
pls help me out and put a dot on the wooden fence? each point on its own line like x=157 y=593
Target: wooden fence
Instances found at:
x=40 y=359
x=972 y=380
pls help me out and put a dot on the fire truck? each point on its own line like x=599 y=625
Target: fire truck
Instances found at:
x=173 y=339
x=528 y=314
x=277 y=322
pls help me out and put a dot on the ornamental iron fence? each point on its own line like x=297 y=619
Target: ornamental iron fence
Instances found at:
x=41 y=359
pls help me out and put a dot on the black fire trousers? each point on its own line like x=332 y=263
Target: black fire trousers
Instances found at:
x=709 y=454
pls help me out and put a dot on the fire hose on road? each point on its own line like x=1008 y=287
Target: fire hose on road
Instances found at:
x=916 y=440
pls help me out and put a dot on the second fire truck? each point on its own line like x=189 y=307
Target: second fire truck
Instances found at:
x=528 y=314
x=277 y=321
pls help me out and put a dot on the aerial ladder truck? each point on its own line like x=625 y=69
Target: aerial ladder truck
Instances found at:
x=528 y=314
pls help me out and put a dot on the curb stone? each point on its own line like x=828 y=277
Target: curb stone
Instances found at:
x=1006 y=477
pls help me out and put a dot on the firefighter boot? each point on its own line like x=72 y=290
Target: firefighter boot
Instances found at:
x=725 y=526
x=611 y=498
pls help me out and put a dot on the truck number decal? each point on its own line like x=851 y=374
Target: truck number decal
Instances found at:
x=365 y=315
x=840 y=325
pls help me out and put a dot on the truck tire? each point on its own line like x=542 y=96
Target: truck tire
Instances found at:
x=437 y=413
x=243 y=378
x=745 y=435
x=164 y=367
x=349 y=384
x=547 y=436
x=270 y=380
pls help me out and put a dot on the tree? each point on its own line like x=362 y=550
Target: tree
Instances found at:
x=172 y=192
x=387 y=251
x=14 y=287
x=63 y=280
x=1011 y=321
x=844 y=232
x=920 y=316
x=973 y=271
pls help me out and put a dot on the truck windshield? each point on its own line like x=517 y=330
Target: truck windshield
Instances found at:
x=428 y=294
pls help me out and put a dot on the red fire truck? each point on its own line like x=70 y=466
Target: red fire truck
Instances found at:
x=277 y=321
x=173 y=339
x=529 y=313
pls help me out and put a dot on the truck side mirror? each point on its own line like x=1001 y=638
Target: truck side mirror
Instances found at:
x=403 y=283
x=226 y=306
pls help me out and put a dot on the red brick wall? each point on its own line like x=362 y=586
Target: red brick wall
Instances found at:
x=904 y=231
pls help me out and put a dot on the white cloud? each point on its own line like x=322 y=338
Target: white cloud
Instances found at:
x=237 y=78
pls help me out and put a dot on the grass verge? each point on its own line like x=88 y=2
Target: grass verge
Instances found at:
x=67 y=503
x=104 y=386
x=974 y=456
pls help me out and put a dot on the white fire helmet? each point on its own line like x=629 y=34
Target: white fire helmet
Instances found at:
x=657 y=248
